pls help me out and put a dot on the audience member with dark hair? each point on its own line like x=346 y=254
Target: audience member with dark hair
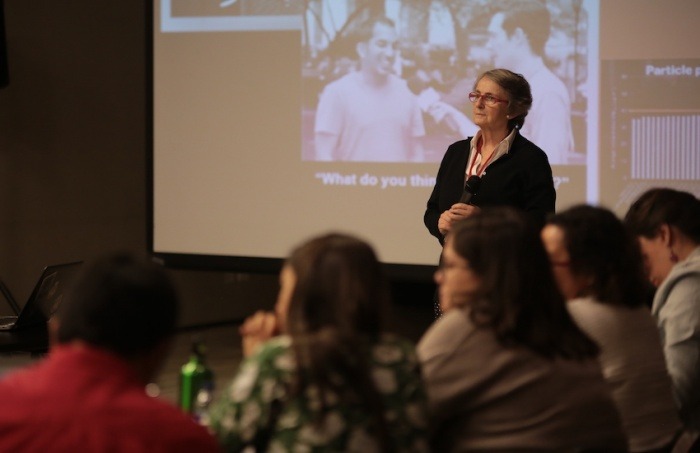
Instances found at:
x=598 y=267
x=109 y=338
x=334 y=381
x=667 y=224
x=506 y=368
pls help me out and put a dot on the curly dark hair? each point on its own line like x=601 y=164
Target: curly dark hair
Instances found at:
x=601 y=248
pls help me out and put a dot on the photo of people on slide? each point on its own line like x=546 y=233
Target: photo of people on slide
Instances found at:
x=388 y=80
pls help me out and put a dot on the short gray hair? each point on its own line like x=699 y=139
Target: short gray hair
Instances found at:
x=518 y=90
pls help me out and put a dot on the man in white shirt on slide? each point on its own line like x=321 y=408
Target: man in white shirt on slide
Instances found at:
x=370 y=115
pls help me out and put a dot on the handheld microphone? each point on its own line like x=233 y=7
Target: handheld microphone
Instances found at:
x=470 y=188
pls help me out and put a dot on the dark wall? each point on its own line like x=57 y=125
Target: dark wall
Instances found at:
x=72 y=126
x=73 y=152
x=3 y=55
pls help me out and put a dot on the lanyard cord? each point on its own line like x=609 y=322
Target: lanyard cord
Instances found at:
x=478 y=154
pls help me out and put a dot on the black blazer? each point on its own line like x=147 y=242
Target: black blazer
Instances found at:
x=521 y=179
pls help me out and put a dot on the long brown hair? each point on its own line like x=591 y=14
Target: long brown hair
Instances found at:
x=335 y=314
x=518 y=298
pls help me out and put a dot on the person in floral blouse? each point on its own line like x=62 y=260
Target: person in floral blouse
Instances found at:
x=321 y=374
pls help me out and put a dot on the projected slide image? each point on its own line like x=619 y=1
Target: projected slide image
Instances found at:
x=397 y=90
x=650 y=112
x=238 y=114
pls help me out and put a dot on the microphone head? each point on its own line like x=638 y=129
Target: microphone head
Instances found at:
x=472 y=184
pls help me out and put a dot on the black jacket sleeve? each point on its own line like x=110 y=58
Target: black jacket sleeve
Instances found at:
x=449 y=185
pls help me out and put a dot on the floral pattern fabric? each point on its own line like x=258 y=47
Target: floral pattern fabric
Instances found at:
x=246 y=407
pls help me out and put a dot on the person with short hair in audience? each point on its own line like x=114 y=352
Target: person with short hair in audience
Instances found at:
x=667 y=224
x=334 y=380
x=109 y=338
x=506 y=368
x=598 y=267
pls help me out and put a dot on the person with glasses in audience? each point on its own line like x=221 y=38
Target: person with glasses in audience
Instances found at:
x=506 y=368
x=511 y=170
x=598 y=268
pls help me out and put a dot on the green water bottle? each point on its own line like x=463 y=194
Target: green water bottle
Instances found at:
x=196 y=384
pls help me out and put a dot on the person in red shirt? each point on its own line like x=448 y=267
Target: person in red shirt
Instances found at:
x=108 y=339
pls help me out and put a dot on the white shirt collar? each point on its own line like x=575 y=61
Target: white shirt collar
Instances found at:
x=474 y=161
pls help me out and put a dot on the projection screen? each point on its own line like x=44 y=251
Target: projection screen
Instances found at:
x=239 y=169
